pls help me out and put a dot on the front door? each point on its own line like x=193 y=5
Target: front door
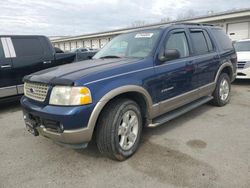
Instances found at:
x=174 y=76
x=7 y=77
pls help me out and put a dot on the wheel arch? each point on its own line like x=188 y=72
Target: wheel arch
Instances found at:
x=225 y=68
x=134 y=92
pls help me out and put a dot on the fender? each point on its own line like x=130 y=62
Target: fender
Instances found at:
x=115 y=92
x=224 y=65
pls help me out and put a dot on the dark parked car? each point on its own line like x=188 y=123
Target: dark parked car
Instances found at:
x=142 y=78
x=58 y=50
x=23 y=55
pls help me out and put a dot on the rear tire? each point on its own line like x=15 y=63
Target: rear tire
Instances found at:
x=222 y=91
x=119 y=129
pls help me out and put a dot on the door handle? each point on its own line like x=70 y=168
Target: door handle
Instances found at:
x=46 y=62
x=5 y=66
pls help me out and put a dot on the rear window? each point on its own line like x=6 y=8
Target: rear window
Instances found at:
x=1 y=51
x=199 y=42
x=223 y=40
x=27 y=47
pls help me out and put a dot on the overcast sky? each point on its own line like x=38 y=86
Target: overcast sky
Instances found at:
x=76 y=17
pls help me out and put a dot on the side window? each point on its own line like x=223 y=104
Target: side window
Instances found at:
x=223 y=40
x=209 y=42
x=179 y=42
x=27 y=47
x=1 y=51
x=199 y=42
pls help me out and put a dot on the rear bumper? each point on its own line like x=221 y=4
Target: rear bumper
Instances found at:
x=74 y=120
x=243 y=73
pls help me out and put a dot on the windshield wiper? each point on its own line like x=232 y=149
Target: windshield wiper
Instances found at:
x=109 y=56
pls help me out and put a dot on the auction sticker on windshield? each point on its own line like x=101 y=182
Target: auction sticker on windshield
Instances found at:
x=144 y=35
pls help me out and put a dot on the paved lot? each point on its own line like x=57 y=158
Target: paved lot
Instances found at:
x=208 y=147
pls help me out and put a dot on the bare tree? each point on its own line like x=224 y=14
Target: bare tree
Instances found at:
x=210 y=12
x=167 y=19
x=138 y=23
x=187 y=15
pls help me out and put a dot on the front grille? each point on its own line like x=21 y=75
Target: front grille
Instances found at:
x=241 y=64
x=36 y=91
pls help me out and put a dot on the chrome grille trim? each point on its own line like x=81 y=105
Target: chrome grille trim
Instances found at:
x=241 y=64
x=36 y=91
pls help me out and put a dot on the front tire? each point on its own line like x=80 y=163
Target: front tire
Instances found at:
x=222 y=91
x=119 y=129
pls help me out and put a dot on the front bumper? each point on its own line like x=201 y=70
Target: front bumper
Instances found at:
x=74 y=120
x=243 y=73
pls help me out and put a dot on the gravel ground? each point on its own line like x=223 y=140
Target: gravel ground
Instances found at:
x=207 y=147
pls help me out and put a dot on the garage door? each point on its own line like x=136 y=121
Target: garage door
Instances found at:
x=79 y=44
x=95 y=43
x=104 y=41
x=67 y=46
x=238 y=31
x=73 y=45
x=87 y=44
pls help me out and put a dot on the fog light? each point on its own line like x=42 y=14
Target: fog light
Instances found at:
x=24 y=117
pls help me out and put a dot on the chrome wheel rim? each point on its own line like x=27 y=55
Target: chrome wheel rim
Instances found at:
x=224 y=90
x=128 y=130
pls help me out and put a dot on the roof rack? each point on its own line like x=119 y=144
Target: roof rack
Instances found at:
x=190 y=23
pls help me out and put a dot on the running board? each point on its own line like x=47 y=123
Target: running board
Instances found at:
x=179 y=111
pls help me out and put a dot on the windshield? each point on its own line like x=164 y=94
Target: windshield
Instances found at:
x=242 y=46
x=137 y=44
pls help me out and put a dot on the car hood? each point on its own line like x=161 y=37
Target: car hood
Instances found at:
x=67 y=74
x=243 y=56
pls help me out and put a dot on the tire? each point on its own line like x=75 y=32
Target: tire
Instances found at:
x=119 y=129
x=222 y=96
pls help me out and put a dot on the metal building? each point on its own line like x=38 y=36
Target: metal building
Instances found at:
x=235 y=23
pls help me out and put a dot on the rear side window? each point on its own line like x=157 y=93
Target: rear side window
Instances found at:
x=27 y=47
x=223 y=40
x=179 y=42
x=1 y=51
x=199 y=42
x=209 y=42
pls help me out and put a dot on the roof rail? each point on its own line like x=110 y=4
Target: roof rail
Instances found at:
x=190 y=23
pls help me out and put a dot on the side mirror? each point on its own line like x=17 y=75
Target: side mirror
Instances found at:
x=169 y=55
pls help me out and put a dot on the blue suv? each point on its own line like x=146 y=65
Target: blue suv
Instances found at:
x=142 y=78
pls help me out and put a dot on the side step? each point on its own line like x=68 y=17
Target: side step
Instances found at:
x=179 y=111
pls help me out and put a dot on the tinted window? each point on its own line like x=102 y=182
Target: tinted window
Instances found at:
x=223 y=40
x=27 y=47
x=199 y=42
x=1 y=51
x=209 y=42
x=178 y=41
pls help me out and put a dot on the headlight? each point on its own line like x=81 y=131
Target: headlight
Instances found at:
x=66 y=96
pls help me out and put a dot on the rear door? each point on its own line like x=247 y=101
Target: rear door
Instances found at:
x=206 y=58
x=7 y=76
x=30 y=56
